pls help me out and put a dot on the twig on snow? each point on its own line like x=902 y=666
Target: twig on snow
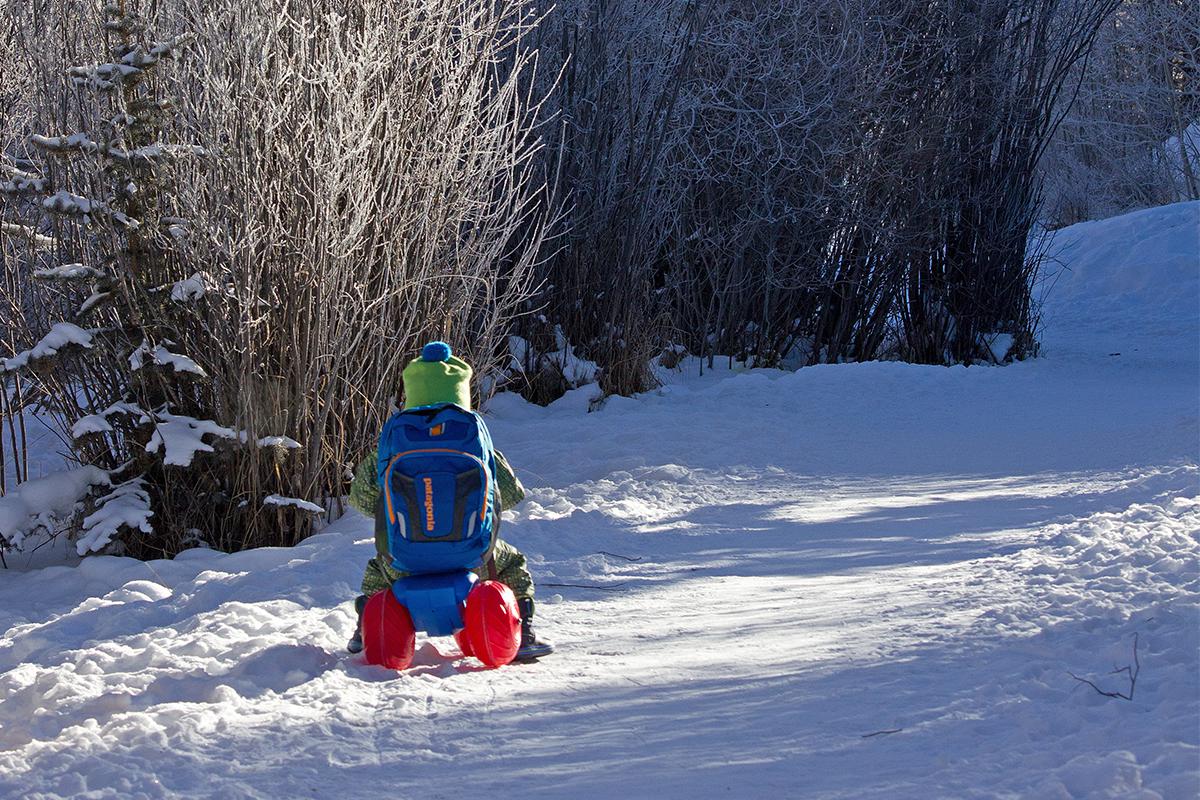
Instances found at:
x=618 y=555
x=1131 y=672
x=882 y=733
x=609 y=588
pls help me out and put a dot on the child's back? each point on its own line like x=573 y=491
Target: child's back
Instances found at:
x=438 y=380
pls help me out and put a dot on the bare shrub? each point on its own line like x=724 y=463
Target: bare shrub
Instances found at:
x=369 y=186
x=791 y=185
x=610 y=126
x=1125 y=140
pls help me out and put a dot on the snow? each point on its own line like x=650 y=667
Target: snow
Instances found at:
x=190 y=289
x=20 y=182
x=1177 y=158
x=68 y=272
x=61 y=335
x=92 y=423
x=126 y=506
x=39 y=503
x=576 y=371
x=279 y=441
x=102 y=77
x=181 y=437
x=92 y=300
x=64 y=202
x=851 y=581
x=998 y=345
x=163 y=357
x=161 y=150
x=26 y=232
x=139 y=57
x=295 y=502
x=65 y=142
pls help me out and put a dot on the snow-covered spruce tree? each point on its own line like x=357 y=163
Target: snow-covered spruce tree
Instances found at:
x=139 y=401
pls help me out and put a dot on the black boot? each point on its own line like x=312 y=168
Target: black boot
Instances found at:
x=355 y=645
x=532 y=648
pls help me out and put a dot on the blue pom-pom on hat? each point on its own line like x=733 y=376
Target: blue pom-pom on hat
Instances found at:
x=436 y=351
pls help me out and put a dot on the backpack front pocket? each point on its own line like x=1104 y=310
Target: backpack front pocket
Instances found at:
x=436 y=496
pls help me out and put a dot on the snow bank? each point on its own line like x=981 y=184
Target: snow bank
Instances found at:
x=1138 y=273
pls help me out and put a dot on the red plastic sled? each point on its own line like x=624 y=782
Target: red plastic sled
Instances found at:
x=388 y=633
x=492 y=624
x=491 y=632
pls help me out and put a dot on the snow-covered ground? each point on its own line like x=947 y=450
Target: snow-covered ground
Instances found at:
x=852 y=581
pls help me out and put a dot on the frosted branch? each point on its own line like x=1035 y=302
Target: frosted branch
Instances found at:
x=26 y=232
x=67 y=272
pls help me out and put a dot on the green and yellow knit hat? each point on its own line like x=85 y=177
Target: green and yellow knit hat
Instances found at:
x=437 y=377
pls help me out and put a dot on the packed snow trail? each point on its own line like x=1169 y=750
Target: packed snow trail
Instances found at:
x=852 y=581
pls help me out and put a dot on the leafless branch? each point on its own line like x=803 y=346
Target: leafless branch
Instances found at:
x=1130 y=671
x=882 y=733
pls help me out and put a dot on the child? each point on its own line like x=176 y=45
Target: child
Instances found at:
x=438 y=377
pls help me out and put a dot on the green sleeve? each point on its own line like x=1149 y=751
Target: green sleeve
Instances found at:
x=511 y=490
x=364 y=487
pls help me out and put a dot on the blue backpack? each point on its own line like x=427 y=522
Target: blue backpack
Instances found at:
x=437 y=475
